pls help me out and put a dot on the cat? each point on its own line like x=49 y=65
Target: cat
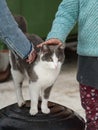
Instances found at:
x=42 y=73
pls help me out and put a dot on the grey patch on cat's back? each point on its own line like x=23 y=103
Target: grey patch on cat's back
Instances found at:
x=47 y=92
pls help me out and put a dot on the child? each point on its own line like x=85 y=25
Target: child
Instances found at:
x=85 y=12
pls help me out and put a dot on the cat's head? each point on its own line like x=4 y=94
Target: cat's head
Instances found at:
x=52 y=55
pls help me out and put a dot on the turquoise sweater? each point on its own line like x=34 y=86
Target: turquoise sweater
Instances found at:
x=85 y=12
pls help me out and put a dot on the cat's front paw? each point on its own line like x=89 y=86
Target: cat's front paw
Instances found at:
x=21 y=103
x=33 y=111
x=46 y=110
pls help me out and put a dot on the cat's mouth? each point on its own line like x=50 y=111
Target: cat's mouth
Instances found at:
x=56 y=66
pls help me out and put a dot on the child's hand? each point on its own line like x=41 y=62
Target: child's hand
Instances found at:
x=31 y=56
x=51 y=41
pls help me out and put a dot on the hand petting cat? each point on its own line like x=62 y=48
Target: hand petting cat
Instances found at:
x=52 y=41
x=31 y=56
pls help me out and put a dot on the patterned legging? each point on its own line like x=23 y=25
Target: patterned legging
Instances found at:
x=89 y=101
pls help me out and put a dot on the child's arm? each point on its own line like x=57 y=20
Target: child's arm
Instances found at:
x=65 y=19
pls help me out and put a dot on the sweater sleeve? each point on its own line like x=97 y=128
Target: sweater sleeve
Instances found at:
x=65 y=19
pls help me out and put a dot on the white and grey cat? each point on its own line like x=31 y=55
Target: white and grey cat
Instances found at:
x=42 y=74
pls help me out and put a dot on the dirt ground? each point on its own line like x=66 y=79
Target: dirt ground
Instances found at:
x=64 y=92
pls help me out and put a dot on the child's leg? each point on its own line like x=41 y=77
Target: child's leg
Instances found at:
x=89 y=101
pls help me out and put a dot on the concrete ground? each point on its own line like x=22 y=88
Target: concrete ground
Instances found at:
x=64 y=92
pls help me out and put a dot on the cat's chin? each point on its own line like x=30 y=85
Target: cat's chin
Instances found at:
x=55 y=67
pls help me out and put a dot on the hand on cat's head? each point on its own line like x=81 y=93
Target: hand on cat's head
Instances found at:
x=53 y=41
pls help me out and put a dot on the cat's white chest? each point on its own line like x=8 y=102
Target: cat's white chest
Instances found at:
x=46 y=75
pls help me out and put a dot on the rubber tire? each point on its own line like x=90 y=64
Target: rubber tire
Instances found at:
x=60 y=118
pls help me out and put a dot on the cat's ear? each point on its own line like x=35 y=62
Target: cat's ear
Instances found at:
x=62 y=46
x=44 y=48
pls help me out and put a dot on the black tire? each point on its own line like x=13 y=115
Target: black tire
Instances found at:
x=60 y=118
